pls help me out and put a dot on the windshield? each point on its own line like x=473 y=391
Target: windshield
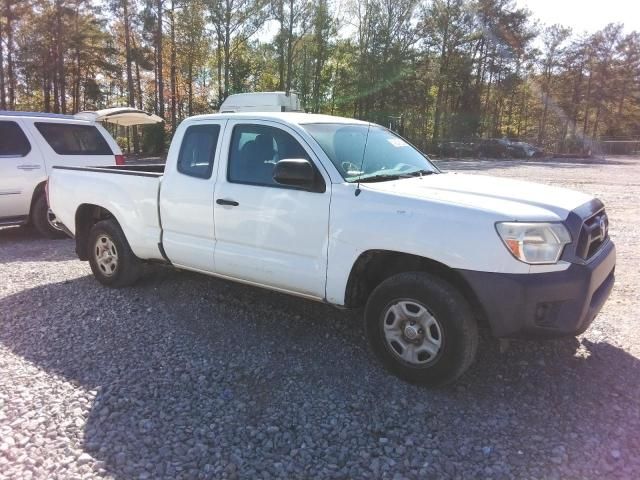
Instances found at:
x=369 y=152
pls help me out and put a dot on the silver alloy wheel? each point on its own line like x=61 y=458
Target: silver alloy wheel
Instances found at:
x=53 y=220
x=412 y=332
x=106 y=255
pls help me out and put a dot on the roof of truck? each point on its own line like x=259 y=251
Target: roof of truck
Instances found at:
x=287 y=117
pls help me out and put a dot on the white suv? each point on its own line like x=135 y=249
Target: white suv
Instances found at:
x=31 y=144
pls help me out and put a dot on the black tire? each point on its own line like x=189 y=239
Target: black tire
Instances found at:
x=126 y=269
x=40 y=219
x=456 y=328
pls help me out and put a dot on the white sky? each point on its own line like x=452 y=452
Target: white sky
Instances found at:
x=585 y=15
x=581 y=15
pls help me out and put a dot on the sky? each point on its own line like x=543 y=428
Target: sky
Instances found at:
x=581 y=15
x=585 y=15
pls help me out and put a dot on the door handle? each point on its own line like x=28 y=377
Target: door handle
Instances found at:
x=29 y=167
x=222 y=201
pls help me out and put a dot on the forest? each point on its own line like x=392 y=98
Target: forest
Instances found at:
x=436 y=70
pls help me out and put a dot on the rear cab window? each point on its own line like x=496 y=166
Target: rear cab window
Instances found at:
x=198 y=150
x=13 y=142
x=72 y=139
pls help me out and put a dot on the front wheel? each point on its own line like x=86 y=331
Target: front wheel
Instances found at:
x=110 y=256
x=421 y=328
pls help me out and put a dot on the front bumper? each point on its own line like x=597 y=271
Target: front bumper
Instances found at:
x=545 y=304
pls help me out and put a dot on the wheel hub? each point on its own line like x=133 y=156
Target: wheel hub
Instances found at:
x=412 y=332
x=106 y=255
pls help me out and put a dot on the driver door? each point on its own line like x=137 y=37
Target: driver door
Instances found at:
x=266 y=233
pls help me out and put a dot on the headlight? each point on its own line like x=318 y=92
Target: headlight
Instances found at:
x=534 y=242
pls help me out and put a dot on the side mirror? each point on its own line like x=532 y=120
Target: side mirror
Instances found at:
x=295 y=172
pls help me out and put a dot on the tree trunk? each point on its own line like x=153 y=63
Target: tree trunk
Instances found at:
x=190 y=87
x=76 y=68
x=227 y=51
x=280 y=45
x=320 y=53
x=139 y=86
x=128 y=58
x=55 y=72
x=290 y=47
x=441 y=75
x=219 y=67
x=587 y=103
x=159 y=8
x=47 y=88
x=545 y=99
x=60 y=48
x=173 y=69
x=10 y=71
x=3 y=91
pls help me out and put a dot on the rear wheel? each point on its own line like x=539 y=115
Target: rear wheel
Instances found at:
x=421 y=328
x=45 y=220
x=110 y=256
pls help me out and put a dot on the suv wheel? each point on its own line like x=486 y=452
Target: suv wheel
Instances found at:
x=421 y=328
x=45 y=220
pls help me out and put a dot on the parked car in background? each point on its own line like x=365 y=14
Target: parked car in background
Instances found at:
x=525 y=150
x=456 y=149
x=504 y=148
x=493 y=148
x=348 y=213
x=31 y=144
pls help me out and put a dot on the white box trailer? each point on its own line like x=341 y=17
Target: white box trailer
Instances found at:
x=261 y=102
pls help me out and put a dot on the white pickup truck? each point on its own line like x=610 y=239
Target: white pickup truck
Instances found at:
x=346 y=212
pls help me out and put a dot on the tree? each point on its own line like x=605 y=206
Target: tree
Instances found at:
x=235 y=21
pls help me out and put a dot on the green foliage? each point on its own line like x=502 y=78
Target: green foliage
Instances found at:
x=153 y=139
x=438 y=69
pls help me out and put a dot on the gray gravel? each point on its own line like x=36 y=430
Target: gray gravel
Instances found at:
x=184 y=376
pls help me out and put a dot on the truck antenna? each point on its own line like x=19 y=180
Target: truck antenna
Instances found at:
x=364 y=151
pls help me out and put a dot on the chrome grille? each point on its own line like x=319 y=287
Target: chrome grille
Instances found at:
x=594 y=233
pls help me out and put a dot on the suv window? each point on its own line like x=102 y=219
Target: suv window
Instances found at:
x=13 y=142
x=70 y=139
x=198 y=150
x=255 y=150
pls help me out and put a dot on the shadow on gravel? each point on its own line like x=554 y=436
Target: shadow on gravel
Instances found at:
x=200 y=378
x=24 y=244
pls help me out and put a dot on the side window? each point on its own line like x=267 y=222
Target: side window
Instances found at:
x=74 y=139
x=13 y=142
x=198 y=150
x=255 y=150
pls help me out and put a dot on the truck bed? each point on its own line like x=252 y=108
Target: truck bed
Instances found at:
x=129 y=193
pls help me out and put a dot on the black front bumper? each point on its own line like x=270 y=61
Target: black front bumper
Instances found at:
x=545 y=304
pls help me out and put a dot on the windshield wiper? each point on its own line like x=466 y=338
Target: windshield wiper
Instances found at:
x=378 y=178
x=395 y=176
x=419 y=173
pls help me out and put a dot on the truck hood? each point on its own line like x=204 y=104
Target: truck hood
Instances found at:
x=511 y=199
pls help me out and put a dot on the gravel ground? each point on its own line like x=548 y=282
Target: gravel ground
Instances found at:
x=184 y=376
